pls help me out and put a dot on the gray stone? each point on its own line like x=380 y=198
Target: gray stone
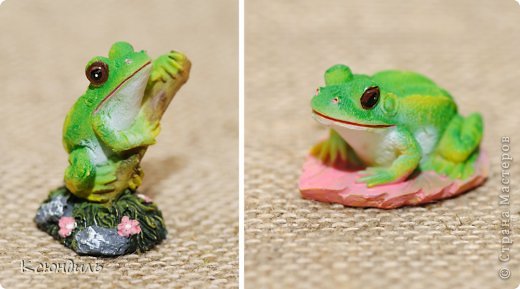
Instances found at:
x=53 y=210
x=95 y=240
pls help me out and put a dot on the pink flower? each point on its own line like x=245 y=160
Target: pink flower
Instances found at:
x=67 y=225
x=128 y=227
x=145 y=198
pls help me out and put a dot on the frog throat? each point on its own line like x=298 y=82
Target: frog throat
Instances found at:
x=352 y=123
x=120 y=85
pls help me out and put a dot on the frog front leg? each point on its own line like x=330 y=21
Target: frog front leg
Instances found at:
x=80 y=174
x=140 y=133
x=457 y=148
x=169 y=73
x=402 y=143
x=335 y=150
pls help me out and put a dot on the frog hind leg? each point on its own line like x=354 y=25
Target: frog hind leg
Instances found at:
x=335 y=151
x=81 y=172
x=116 y=176
x=458 y=148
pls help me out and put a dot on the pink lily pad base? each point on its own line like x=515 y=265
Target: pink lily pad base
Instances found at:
x=332 y=185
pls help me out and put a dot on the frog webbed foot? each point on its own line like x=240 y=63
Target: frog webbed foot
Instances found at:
x=374 y=176
x=144 y=132
x=141 y=134
x=105 y=178
x=454 y=170
x=330 y=152
x=168 y=66
x=335 y=151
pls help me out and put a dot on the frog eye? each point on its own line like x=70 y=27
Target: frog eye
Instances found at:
x=97 y=73
x=370 y=97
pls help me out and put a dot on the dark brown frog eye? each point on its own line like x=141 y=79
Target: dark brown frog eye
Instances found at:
x=97 y=73
x=370 y=97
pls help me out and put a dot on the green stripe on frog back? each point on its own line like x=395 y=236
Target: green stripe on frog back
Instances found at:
x=433 y=110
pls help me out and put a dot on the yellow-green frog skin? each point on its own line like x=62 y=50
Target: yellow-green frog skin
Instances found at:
x=108 y=129
x=394 y=123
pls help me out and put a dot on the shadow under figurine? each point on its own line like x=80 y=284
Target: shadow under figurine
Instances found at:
x=396 y=139
x=106 y=133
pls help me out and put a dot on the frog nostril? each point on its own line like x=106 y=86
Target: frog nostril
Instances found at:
x=317 y=91
x=335 y=100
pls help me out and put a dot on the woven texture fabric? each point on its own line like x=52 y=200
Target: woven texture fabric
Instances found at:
x=469 y=47
x=191 y=172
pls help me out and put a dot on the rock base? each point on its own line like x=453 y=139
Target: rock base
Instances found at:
x=328 y=184
x=132 y=223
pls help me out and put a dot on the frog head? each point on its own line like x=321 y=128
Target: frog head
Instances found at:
x=117 y=84
x=353 y=100
x=121 y=77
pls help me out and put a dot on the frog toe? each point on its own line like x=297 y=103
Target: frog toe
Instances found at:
x=104 y=188
x=104 y=169
x=454 y=171
x=177 y=56
x=174 y=63
x=106 y=179
x=376 y=176
x=444 y=168
x=468 y=170
x=439 y=165
x=321 y=152
x=168 y=66
x=171 y=69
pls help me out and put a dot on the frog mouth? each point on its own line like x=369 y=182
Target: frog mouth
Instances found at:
x=352 y=123
x=120 y=85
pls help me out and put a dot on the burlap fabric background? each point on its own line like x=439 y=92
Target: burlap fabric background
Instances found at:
x=472 y=48
x=191 y=172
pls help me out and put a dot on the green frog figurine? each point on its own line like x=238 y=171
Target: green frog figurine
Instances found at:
x=396 y=138
x=394 y=122
x=106 y=133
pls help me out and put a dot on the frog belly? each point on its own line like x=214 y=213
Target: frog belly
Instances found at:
x=374 y=146
x=97 y=154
